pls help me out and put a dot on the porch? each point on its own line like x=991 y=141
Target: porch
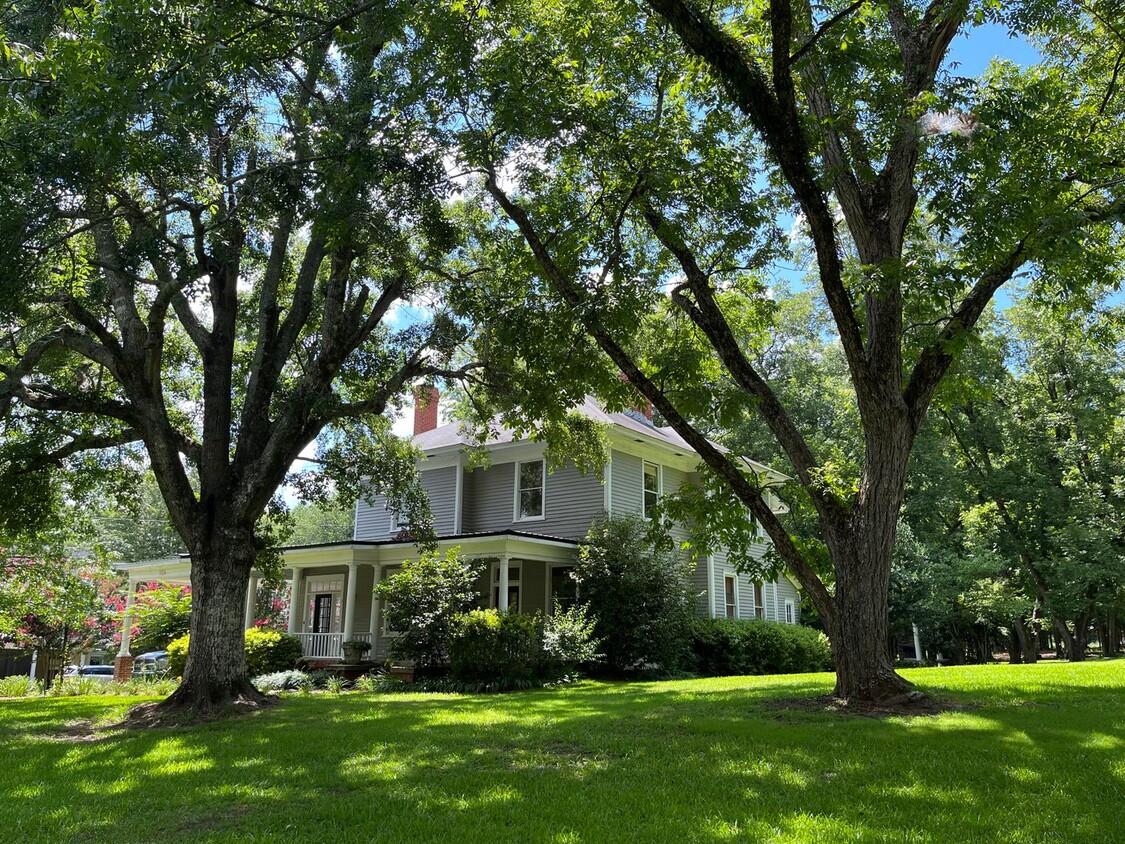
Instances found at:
x=331 y=586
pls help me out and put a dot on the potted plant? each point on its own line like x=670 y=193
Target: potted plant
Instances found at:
x=354 y=649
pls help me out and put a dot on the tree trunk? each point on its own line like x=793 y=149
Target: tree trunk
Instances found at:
x=1073 y=647
x=1017 y=642
x=215 y=674
x=861 y=552
x=1026 y=643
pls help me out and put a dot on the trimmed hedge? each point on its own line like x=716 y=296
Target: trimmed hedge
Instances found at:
x=725 y=646
x=267 y=651
x=487 y=646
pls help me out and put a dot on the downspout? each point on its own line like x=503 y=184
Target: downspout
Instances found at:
x=710 y=585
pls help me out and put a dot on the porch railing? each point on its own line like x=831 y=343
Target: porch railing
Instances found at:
x=326 y=645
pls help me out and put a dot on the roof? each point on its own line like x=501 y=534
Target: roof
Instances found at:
x=452 y=434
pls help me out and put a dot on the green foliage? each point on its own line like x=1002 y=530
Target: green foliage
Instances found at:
x=282 y=681
x=568 y=639
x=20 y=685
x=634 y=584
x=268 y=651
x=420 y=601
x=160 y=615
x=58 y=604
x=494 y=648
x=753 y=646
x=177 y=655
x=334 y=684
x=136 y=687
x=314 y=524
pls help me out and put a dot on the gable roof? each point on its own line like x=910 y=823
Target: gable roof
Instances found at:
x=451 y=434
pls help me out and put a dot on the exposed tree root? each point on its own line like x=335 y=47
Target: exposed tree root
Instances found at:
x=192 y=711
x=908 y=704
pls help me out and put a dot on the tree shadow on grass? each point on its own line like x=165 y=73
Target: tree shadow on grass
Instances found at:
x=603 y=762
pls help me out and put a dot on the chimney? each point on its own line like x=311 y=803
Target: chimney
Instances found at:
x=425 y=408
x=643 y=407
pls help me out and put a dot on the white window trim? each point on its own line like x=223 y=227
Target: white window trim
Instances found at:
x=516 y=517
x=737 y=609
x=659 y=484
x=790 y=611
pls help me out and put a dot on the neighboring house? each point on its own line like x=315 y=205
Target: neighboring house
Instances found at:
x=525 y=523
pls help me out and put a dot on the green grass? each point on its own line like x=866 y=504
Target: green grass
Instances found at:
x=1041 y=759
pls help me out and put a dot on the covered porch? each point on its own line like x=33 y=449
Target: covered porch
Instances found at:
x=331 y=586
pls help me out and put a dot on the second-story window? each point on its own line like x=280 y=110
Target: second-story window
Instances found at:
x=652 y=489
x=530 y=478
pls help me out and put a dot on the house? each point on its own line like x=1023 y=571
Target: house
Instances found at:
x=524 y=522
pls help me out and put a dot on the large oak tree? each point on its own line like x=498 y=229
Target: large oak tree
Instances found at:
x=644 y=158
x=210 y=215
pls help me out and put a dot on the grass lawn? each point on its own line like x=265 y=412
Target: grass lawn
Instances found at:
x=1041 y=759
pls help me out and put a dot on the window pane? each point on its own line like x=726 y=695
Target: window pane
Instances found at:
x=531 y=475
x=564 y=591
x=531 y=503
x=650 y=478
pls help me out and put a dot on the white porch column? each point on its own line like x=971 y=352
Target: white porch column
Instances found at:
x=251 y=602
x=376 y=579
x=296 y=605
x=349 y=602
x=127 y=620
x=917 y=643
x=502 y=599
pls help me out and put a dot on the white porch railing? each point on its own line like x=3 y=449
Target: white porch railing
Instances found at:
x=326 y=645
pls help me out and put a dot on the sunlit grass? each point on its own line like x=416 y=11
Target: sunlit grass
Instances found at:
x=1041 y=757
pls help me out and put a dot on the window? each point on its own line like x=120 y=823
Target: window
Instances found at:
x=513 y=587
x=530 y=478
x=790 y=612
x=564 y=589
x=730 y=595
x=759 y=602
x=651 y=489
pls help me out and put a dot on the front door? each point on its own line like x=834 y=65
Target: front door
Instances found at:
x=322 y=614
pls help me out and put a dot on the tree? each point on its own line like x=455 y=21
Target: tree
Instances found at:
x=1036 y=428
x=58 y=605
x=633 y=149
x=209 y=216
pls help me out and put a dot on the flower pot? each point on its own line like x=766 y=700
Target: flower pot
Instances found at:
x=353 y=655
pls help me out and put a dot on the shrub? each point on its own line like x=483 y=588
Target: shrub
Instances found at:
x=177 y=655
x=420 y=602
x=568 y=639
x=282 y=681
x=20 y=685
x=635 y=586
x=725 y=646
x=334 y=684
x=266 y=651
x=494 y=648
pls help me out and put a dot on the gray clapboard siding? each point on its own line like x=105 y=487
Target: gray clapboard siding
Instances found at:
x=373 y=521
x=699 y=587
x=441 y=488
x=786 y=591
x=571 y=501
x=626 y=484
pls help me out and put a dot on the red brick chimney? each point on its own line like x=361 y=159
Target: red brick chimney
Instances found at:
x=643 y=405
x=425 y=409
